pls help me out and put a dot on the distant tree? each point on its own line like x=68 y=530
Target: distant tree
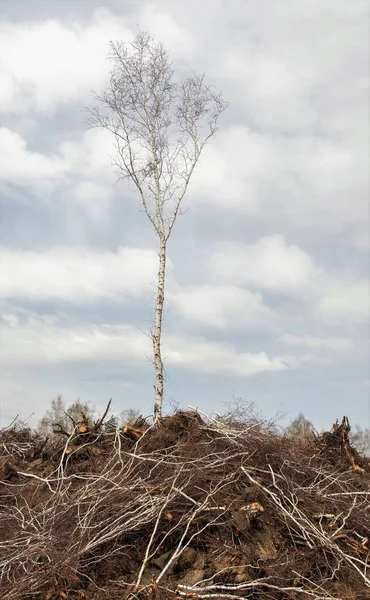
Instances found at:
x=111 y=425
x=160 y=125
x=129 y=415
x=300 y=427
x=360 y=438
x=58 y=413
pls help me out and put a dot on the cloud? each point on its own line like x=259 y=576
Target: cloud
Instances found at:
x=80 y=171
x=90 y=155
x=270 y=79
x=202 y=356
x=76 y=274
x=162 y=25
x=293 y=71
x=95 y=199
x=339 y=344
x=344 y=301
x=273 y=265
x=30 y=341
x=48 y=63
x=225 y=307
x=312 y=181
x=270 y=264
x=230 y=169
x=20 y=165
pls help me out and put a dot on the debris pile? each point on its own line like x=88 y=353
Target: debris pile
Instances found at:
x=188 y=507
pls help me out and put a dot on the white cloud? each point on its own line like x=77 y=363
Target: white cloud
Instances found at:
x=312 y=181
x=269 y=79
x=225 y=307
x=94 y=199
x=166 y=30
x=338 y=344
x=293 y=70
x=20 y=165
x=270 y=263
x=76 y=275
x=31 y=341
x=303 y=92
x=48 y=63
x=34 y=341
x=230 y=170
x=203 y=356
x=88 y=159
x=344 y=302
x=83 y=167
x=90 y=155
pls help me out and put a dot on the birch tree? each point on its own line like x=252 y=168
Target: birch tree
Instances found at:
x=160 y=124
x=300 y=427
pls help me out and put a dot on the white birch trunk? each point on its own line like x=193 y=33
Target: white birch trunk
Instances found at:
x=157 y=332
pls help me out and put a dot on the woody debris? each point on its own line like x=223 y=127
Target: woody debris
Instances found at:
x=189 y=507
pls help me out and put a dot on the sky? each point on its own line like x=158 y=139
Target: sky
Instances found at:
x=268 y=269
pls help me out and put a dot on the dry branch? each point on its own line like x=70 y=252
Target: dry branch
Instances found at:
x=195 y=508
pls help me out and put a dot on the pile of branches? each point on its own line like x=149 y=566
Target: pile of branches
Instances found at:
x=188 y=507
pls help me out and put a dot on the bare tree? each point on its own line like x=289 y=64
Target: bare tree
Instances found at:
x=59 y=413
x=160 y=127
x=300 y=427
x=360 y=438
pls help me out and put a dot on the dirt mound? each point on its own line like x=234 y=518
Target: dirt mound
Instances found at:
x=190 y=507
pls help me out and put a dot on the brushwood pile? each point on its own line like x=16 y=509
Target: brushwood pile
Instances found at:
x=188 y=507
